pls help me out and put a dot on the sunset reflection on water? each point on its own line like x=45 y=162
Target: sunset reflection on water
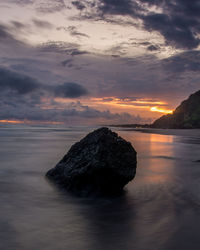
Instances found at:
x=156 y=155
x=153 y=213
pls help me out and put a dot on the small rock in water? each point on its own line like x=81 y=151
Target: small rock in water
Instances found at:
x=101 y=163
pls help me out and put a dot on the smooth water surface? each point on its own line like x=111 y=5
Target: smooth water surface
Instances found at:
x=159 y=210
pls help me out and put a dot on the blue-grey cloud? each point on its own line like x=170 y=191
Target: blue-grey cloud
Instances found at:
x=19 y=83
x=70 y=90
x=176 y=31
x=32 y=110
x=188 y=61
x=14 y=84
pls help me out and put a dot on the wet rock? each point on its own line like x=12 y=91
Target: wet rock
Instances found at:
x=101 y=163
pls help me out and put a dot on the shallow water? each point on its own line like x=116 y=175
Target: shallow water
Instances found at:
x=159 y=210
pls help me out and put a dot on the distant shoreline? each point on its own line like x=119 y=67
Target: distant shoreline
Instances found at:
x=178 y=132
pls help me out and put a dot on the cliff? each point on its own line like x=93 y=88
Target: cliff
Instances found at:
x=186 y=115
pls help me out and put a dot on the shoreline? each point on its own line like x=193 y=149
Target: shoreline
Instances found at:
x=176 y=132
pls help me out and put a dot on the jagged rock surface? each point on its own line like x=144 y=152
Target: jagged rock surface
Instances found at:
x=102 y=162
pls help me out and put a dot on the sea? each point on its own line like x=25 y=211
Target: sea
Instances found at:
x=159 y=209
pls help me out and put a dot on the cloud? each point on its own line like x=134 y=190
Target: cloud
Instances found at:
x=183 y=62
x=4 y=32
x=8 y=36
x=68 y=63
x=178 y=21
x=44 y=6
x=21 y=2
x=153 y=47
x=42 y=24
x=70 y=90
x=49 y=6
x=72 y=49
x=15 y=84
x=176 y=31
x=71 y=113
x=18 y=83
x=78 y=5
x=123 y=7
x=24 y=98
x=73 y=31
x=18 y=25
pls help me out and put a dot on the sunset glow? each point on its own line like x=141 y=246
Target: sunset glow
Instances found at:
x=156 y=109
x=56 y=67
x=29 y=122
x=12 y=121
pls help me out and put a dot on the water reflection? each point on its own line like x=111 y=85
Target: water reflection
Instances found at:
x=160 y=207
x=154 y=153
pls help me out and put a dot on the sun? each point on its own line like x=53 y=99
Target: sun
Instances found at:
x=160 y=110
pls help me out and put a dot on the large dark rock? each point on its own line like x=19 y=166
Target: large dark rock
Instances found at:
x=101 y=163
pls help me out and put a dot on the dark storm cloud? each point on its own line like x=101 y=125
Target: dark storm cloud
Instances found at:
x=21 y=84
x=70 y=90
x=177 y=21
x=176 y=31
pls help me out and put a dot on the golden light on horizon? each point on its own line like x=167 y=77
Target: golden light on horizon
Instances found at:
x=30 y=122
x=115 y=104
x=127 y=102
x=12 y=121
x=160 y=110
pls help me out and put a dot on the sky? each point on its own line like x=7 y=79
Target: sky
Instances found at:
x=97 y=61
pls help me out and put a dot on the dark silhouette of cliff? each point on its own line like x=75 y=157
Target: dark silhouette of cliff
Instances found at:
x=186 y=115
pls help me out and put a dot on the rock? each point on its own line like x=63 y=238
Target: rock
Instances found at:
x=101 y=163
